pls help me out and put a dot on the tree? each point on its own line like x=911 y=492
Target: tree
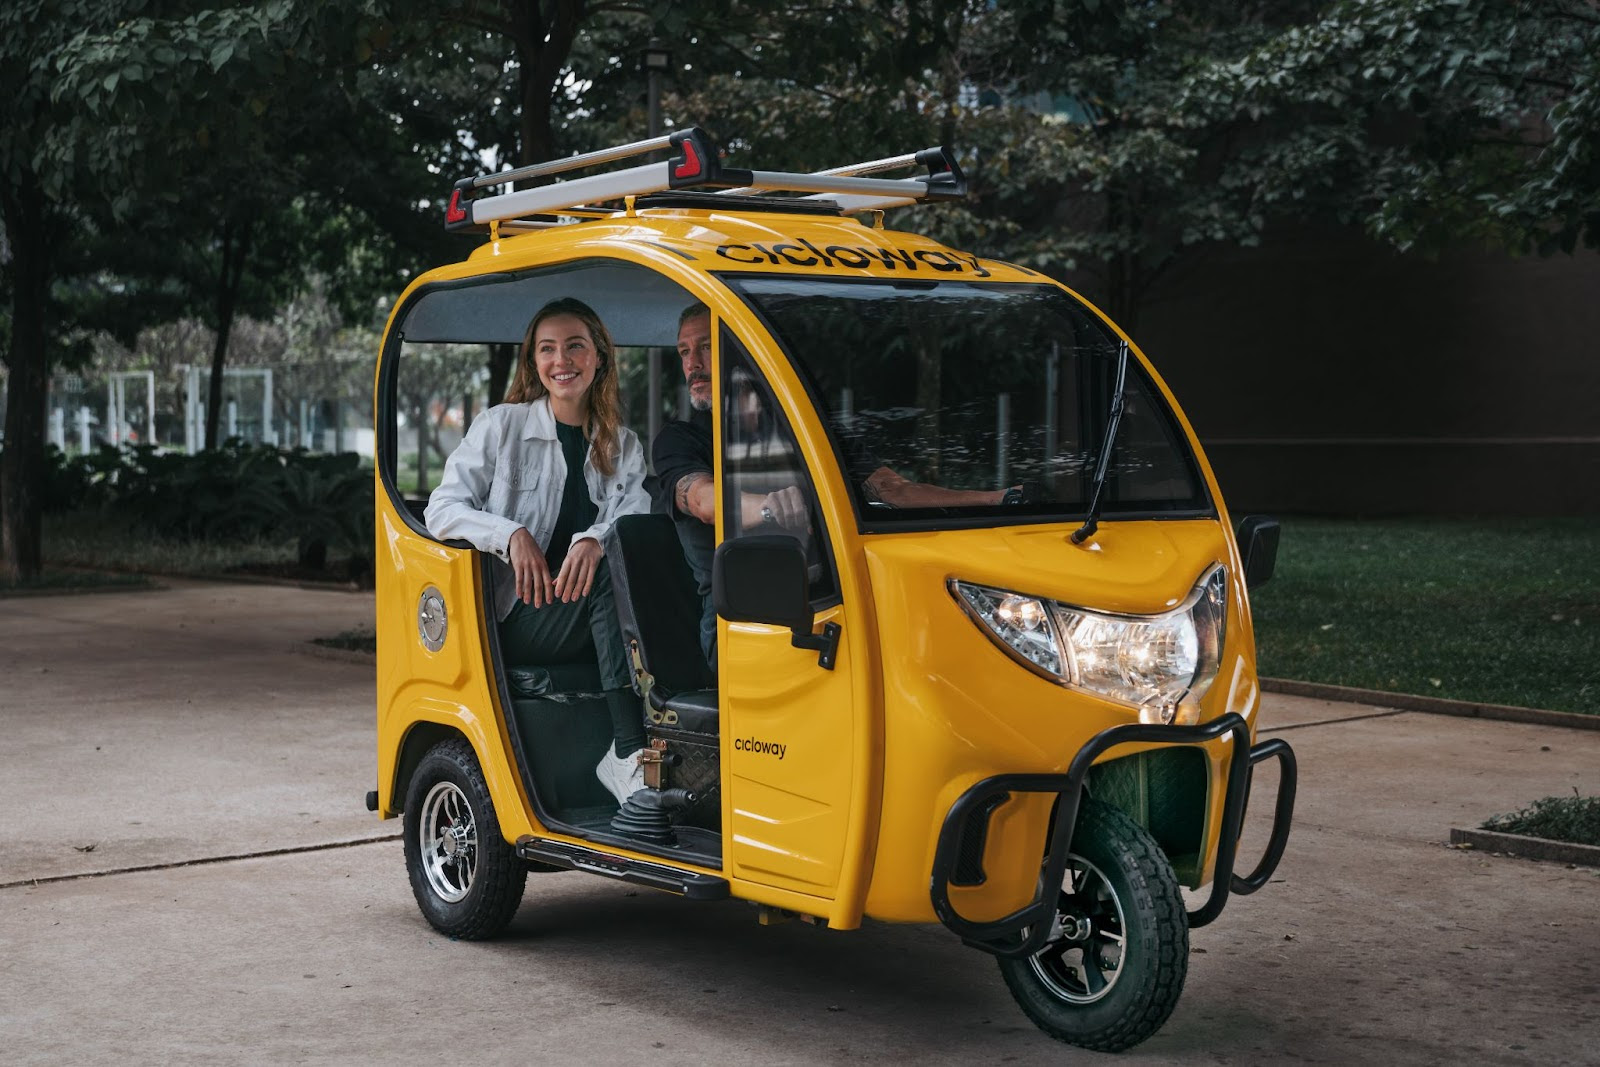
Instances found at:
x=1467 y=120
x=504 y=72
x=1123 y=138
x=263 y=147
x=39 y=209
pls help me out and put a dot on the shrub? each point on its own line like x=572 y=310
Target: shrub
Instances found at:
x=1575 y=819
x=238 y=492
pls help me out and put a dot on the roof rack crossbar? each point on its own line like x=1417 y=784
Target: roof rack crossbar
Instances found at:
x=695 y=162
x=944 y=181
x=550 y=199
x=850 y=205
x=559 y=166
x=875 y=166
x=914 y=188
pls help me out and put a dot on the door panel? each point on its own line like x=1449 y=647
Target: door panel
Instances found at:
x=788 y=726
x=788 y=723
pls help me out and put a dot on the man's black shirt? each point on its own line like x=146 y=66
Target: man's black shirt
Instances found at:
x=683 y=448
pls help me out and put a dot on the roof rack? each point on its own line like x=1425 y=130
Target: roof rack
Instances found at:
x=696 y=161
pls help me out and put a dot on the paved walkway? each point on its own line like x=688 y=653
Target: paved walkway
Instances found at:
x=180 y=725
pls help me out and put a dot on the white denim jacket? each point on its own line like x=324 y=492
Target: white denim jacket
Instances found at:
x=509 y=472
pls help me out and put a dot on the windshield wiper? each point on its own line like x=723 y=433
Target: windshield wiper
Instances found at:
x=1091 y=522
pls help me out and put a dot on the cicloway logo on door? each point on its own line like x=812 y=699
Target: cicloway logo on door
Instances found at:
x=766 y=748
x=802 y=253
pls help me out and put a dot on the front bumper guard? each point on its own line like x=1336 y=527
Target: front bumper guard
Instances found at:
x=1025 y=931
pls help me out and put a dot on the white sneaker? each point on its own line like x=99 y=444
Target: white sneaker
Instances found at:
x=622 y=775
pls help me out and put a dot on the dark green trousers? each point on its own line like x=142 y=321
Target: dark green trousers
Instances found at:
x=585 y=630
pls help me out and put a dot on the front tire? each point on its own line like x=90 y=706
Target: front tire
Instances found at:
x=1114 y=975
x=467 y=880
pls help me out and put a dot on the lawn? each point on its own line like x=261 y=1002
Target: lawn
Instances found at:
x=88 y=539
x=1503 y=611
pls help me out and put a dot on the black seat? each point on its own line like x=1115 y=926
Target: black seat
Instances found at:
x=658 y=607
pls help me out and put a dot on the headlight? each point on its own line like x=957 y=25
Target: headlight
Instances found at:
x=1161 y=664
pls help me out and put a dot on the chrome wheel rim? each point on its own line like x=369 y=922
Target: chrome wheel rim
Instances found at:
x=448 y=835
x=1084 y=958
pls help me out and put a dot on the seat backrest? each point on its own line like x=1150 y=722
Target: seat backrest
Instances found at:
x=658 y=604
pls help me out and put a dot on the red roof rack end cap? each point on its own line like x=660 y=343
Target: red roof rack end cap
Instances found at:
x=691 y=165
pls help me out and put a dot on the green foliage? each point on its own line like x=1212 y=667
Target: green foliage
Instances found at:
x=324 y=502
x=1575 y=819
x=236 y=493
x=1120 y=138
x=1459 y=120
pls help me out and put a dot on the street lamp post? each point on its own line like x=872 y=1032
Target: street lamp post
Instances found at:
x=656 y=61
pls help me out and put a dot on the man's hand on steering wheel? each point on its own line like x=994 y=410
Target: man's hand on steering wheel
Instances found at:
x=786 y=507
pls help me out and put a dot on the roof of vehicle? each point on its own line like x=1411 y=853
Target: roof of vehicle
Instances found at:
x=687 y=215
x=727 y=239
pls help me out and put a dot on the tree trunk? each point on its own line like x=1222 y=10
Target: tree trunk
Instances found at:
x=422 y=445
x=22 y=463
x=235 y=251
x=543 y=45
x=501 y=359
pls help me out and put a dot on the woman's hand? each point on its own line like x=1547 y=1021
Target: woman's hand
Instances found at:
x=532 y=572
x=577 y=570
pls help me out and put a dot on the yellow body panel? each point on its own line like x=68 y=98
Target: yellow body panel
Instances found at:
x=922 y=704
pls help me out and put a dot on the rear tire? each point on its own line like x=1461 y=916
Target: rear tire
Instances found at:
x=467 y=880
x=1114 y=976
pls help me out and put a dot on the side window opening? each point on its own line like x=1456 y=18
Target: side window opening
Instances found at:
x=454 y=351
x=439 y=388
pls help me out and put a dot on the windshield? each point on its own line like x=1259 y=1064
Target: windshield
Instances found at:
x=952 y=403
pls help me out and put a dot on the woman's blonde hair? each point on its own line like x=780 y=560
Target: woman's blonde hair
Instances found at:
x=605 y=407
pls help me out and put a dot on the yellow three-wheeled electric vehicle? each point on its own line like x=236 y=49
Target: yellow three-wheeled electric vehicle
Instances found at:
x=1027 y=715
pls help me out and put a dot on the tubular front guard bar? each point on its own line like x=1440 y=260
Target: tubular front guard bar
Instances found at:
x=1025 y=931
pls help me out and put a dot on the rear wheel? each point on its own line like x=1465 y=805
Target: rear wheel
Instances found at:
x=1112 y=972
x=467 y=880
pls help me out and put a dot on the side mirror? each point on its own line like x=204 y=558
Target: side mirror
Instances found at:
x=762 y=578
x=1258 y=548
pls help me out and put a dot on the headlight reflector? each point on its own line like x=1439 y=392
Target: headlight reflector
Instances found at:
x=1021 y=622
x=1162 y=664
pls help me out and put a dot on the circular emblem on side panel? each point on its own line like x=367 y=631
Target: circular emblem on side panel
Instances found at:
x=431 y=624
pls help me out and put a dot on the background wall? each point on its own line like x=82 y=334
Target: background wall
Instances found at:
x=1328 y=375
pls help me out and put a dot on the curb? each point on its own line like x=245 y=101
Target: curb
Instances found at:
x=1466 y=709
x=203 y=861
x=1532 y=848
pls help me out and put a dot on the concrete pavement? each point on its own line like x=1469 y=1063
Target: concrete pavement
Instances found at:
x=174 y=726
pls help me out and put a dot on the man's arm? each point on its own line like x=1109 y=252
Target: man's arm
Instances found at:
x=696 y=494
x=892 y=488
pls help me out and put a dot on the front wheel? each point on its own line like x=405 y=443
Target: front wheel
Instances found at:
x=467 y=880
x=1114 y=968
